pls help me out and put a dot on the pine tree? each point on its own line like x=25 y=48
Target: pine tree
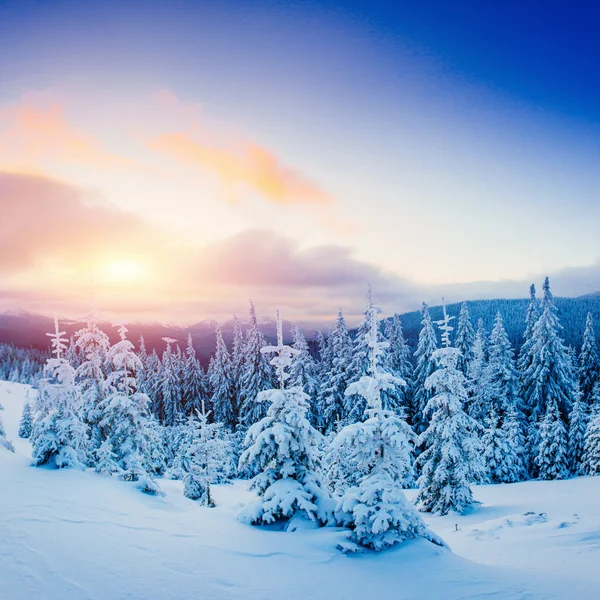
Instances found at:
x=90 y=375
x=533 y=314
x=4 y=442
x=502 y=443
x=257 y=375
x=551 y=459
x=339 y=348
x=26 y=422
x=477 y=389
x=169 y=382
x=221 y=383
x=303 y=373
x=549 y=382
x=590 y=462
x=283 y=445
x=465 y=338
x=578 y=422
x=451 y=460
x=195 y=393
x=379 y=452
x=124 y=418
x=237 y=360
x=323 y=366
x=205 y=456
x=59 y=436
x=589 y=363
x=397 y=362
x=425 y=367
x=356 y=405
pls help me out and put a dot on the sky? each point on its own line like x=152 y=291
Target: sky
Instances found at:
x=181 y=158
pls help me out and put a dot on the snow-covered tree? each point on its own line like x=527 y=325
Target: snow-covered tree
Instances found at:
x=590 y=462
x=477 y=389
x=397 y=362
x=578 y=422
x=533 y=314
x=124 y=419
x=205 y=457
x=90 y=377
x=170 y=384
x=4 y=442
x=59 y=436
x=237 y=360
x=551 y=459
x=425 y=367
x=465 y=338
x=221 y=384
x=589 y=363
x=355 y=405
x=548 y=383
x=451 y=460
x=257 y=374
x=379 y=452
x=26 y=422
x=303 y=372
x=339 y=348
x=283 y=446
x=194 y=380
x=503 y=444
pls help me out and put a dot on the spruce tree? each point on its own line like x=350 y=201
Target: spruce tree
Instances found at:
x=26 y=422
x=397 y=362
x=533 y=314
x=451 y=460
x=578 y=423
x=195 y=393
x=590 y=463
x=237 y=360
x=379 y=453
x=4 y=442
x=477 y=388
x=589 y=363
x=551 y=460
x=334 y=387
x=221 y=383
x=59 y=436
x=92 y=344
x=548 y=384
x=356 y=405
x=465 y=338
x=303 y=373
x=125 y=417
x=284 y=447
x=257 y=375
x=425 y=367
x=169 y=385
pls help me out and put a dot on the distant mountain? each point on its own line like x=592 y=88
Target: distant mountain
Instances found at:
x=29 y=329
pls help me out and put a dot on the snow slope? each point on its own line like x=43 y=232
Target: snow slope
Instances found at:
x=73 y=535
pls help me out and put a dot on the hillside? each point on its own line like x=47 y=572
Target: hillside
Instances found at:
x=84 y=536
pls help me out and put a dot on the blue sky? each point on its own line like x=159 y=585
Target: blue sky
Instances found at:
x=433 y=143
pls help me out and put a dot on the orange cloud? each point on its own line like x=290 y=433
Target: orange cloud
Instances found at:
x=247 y=165
x=30 y=135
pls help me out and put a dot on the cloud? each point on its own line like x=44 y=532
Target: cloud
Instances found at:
x=31 y=135
x=246 y=166
x=52 y=232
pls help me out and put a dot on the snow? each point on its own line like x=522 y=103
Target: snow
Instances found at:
x=82 y=535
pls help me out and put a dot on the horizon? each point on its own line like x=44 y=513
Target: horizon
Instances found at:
x=178 y=153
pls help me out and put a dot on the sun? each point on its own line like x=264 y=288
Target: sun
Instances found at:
x=123 y=271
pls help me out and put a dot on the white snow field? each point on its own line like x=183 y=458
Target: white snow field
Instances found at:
x=70 y=535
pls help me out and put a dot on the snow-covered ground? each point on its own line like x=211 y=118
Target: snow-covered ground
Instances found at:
x=73 y=535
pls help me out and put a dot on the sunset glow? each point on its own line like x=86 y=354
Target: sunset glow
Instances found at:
x=350 y=164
